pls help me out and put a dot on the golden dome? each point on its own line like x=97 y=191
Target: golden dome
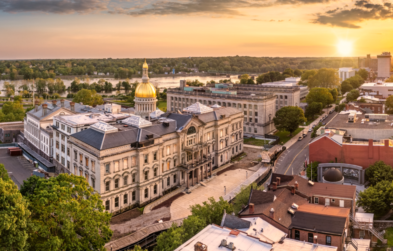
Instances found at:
x=145 y=65
x=145 y=90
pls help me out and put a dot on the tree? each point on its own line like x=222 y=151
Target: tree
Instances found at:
x=289 y=72
x=88 y=97
x=389 y=80
x=191 y=226
x=312 y=168
x=313 y=109
x=170 y=239
x=356 y=81
x=362 y=100
x=244 y=79
x=334 y=93
x=14 y=214
x=363 y=73
x=308 y=74
x=211 y=212
x=378 y=172
x=243 y=196
x=289 y=118
x=389 y=105
x=377 y=199
x=138 y=248
x=321 y=95
x=18 y=99
x=327 y=78
x=297 y=73
x=346 y=87
x=66 y=214
x=352 y=95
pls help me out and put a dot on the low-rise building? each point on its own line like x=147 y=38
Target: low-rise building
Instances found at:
x=9 y=131
x=380 y=90
x=345 y=73
x=366 y=107
x=136 y=161
x=258 y=103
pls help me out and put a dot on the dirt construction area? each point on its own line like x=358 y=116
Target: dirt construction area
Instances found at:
x=253 y=154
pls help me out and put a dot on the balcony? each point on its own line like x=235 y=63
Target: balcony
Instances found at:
x=196 y=147
x=197 y=163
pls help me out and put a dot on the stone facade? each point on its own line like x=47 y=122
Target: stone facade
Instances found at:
x=136 y=174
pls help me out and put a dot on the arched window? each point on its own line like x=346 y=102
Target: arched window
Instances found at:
x=146 y=193
x=191 y=130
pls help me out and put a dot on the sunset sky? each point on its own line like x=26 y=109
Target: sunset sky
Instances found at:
x=180 y=28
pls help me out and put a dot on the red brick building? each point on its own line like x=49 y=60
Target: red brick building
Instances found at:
x=324 y=149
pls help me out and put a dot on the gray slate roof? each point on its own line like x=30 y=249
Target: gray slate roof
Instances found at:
x=233 y=222
x=52 y=108
x=318 y=223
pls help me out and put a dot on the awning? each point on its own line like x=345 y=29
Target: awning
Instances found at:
x=42 y=162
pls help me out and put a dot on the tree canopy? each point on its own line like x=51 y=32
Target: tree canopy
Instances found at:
x=377 y=199
x=378 y=172
x=363 y=73
x=327 y=78
x=319 y=94
x=14 y=215
x=346 y=87
x=353 y=95
x=289 y=118
x=313 y=109
x=88 y=97
x=389 y=105
x=66 y=214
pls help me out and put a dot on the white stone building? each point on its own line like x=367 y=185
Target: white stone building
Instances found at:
x=345 y=73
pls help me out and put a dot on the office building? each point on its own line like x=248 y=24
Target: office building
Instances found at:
x=345 y=73
x=384 y=65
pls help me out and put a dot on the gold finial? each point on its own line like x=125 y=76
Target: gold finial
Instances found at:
x=145 y=64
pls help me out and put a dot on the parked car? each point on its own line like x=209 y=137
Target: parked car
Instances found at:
x=304 y=135
x=300 y=138
x=310 y=130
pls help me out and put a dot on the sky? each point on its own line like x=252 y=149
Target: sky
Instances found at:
x=39 y=29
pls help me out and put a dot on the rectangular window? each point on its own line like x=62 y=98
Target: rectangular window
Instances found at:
x=133 y=161
x=107 y=168
x=297 y=235
x=62 y=137
x=117 y=202
x=62 y=127
x=146 y=158
x=245 y=113
x=107 y=205
x=87 y=161
x=116 y=166
x=341 y=203
x=93 y=183
x=116 y=183
x=80 y=158
x=221 y=133
x=134 y=177
x=174 y=163
x=125 y=199
x=62 y=161
x=133 y=195
x=316 y=200
x=125 y=181
x=80 y=173
x=93 y=165
x=146 y=175
x=168 y=150
x=168 y=181
x=155 y=156
x=174 y=179
x=328 y=240
x=62 y=148
x=68 y=165
x=174 y=148
x=310 y=237
x=57 y=144
x=68 y=151
x=68 y=129
x=125 y=163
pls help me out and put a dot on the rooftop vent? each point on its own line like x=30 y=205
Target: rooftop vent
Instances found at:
x=310 y=183
x=149 y=136
x=295 y=206
x=291 y=211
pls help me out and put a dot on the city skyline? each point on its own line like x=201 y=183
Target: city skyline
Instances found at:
x=196 y=28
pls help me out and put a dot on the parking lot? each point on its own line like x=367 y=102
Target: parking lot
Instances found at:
x=18 y=167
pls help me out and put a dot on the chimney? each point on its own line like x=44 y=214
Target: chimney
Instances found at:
x=54 y=102
x=62 y=102
x=315 y=239
x=272 y=213
x=199 y=246
x=72 y=105
x=296 y=185
x=274 y=186
x=44 y=109
x=251 y=208
x=278 y=179
x=292 y=190
x=346 y=107
x=36 y=106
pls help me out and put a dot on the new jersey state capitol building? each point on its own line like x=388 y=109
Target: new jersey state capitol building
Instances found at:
x=135 y=160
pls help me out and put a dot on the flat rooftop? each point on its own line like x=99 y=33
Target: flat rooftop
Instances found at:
x=320 y=209
x=376 y=85
x=341 y=122
x=294 y=245
x=90 y=118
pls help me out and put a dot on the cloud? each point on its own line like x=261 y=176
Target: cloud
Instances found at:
x=53 y=6
x=209 y=7
x=350 y=17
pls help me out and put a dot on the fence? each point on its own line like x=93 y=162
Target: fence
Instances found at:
x=6 y=145
x=383 y=224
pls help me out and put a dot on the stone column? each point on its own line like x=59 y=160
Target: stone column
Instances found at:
x=197 y=174
x=188 y=179
x=211 y=172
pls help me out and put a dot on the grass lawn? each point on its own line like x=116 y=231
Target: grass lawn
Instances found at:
x=161 y=104
x=255 y=142
x=239 y=157
x=389 y=236
x=284 y=135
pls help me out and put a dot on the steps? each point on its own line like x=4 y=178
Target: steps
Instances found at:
x=369 y=227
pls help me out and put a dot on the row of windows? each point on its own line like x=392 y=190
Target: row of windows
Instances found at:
x=83 y=160
x=234 y=105
x=310 y=237
x=125 y=200
x=62 y=127
x=250 y=129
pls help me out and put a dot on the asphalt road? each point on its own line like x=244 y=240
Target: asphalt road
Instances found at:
x=292 y=159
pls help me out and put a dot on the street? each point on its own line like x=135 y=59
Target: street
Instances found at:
x=292 y=160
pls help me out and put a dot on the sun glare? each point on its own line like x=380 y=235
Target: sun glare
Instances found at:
x=344 y=47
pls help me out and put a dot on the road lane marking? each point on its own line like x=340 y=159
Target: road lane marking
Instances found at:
x=295 y=158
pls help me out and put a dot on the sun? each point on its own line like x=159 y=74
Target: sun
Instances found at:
x=344 y=47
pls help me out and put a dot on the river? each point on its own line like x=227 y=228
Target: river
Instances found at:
x=161 y=82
